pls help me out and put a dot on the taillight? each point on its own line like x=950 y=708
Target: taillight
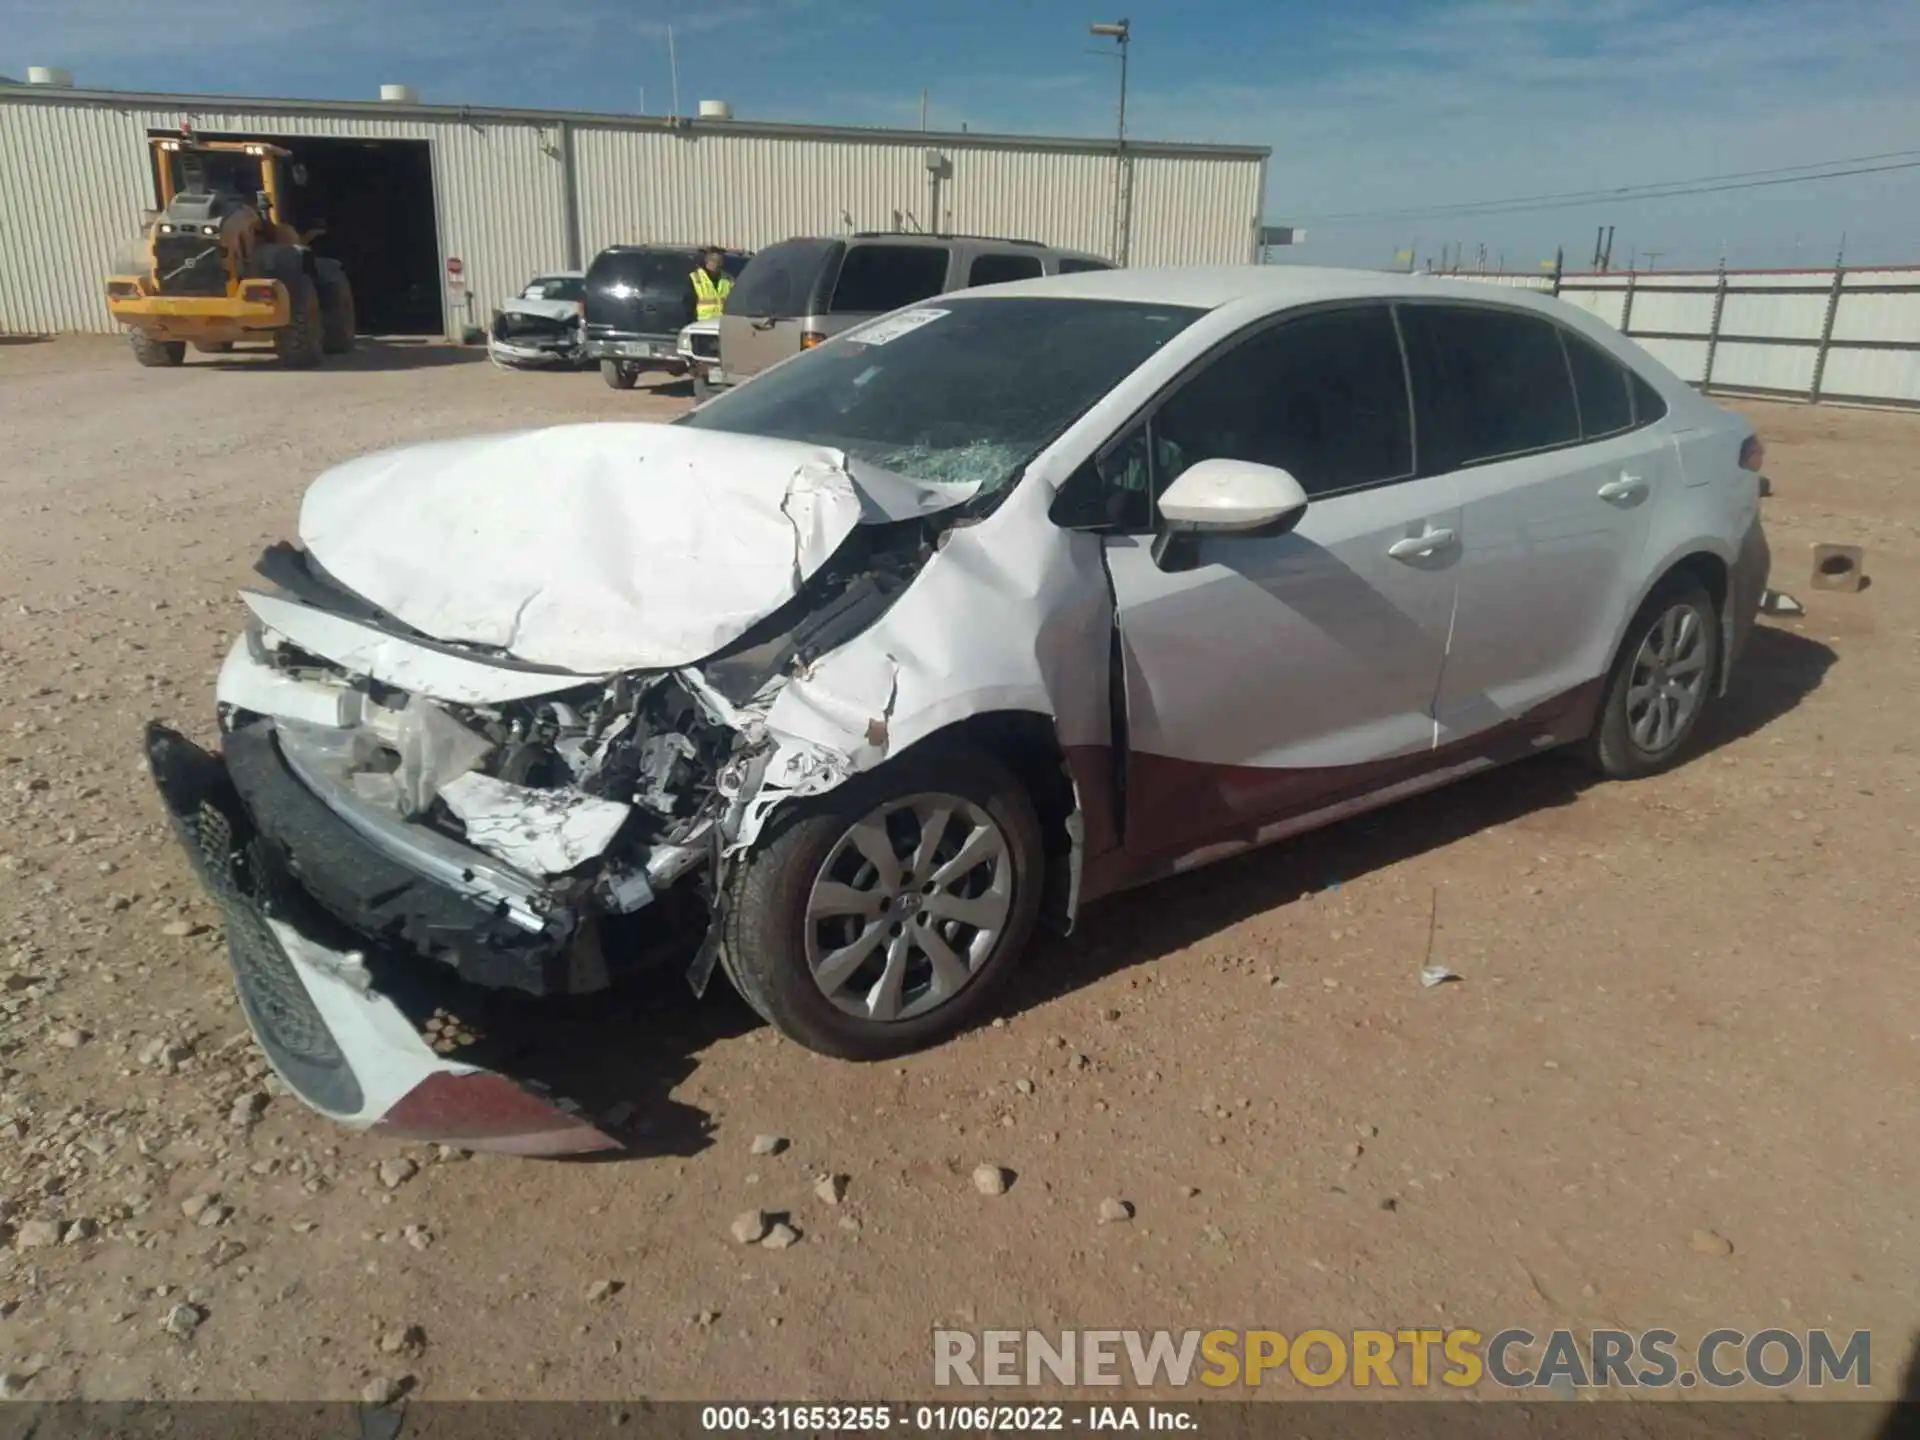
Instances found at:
x=258 y=294
x=811 y=338
x=1753 y=454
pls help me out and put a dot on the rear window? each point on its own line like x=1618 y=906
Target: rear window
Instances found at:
x=877 y=278
x=779 y=282
x=651 y=272
x=1070 y=265
x=998 y=269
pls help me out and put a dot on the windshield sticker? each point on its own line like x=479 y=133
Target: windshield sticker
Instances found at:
x=894 y=326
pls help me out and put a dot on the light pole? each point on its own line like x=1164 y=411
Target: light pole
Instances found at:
x=1120 y=31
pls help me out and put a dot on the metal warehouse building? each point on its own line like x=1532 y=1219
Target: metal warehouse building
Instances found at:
x=440 y=212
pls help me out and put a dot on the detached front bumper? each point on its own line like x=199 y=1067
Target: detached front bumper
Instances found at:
x=342 y=1042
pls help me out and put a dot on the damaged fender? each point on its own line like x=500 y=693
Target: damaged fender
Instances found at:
x=1040 y=648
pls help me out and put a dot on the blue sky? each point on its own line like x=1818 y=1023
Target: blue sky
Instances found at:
x=1369 y=105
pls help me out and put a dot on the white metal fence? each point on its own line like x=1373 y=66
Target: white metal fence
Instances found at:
x=1840 y=335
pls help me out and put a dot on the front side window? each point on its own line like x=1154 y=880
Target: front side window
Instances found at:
x=877 y=278
x=1324 y=397
x=998 y=269
x=1487 y=383
x=961 y=390
x=1073 y=265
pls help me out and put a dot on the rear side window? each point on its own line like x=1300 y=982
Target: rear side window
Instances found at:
x=1071 y=265
x=998 y=269
x=1647 y=404
x=877 y=278
x=1601 y=386
x=1486 y=383
x=780 y=281
x=1324 y=397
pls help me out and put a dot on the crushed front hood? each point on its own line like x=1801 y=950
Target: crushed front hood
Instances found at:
x=596 y=548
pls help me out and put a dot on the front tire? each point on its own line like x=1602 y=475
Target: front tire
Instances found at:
x=1662 y=684
x=620 y=377
x=300 y=342
x=882 y=917
x=338 y=324
x=157 y=354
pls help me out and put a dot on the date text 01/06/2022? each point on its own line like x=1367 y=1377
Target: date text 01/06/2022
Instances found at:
x=936 y=1419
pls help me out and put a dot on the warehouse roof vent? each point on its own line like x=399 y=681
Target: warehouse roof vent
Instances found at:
x=50 y=75
x=715 y=110
x=399 y=95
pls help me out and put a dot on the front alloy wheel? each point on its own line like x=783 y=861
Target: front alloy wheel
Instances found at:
x=878 y=918
x=909 y=905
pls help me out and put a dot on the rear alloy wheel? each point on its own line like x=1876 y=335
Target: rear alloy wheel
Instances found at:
x=620 y=377
x=1662 y=684
x=300 y=342
x=884 y=915
x=157 y=354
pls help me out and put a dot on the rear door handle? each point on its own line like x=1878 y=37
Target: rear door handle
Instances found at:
x=1419 y=547
x=1627 y=487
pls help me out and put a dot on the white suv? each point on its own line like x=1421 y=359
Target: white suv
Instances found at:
x=949 y=626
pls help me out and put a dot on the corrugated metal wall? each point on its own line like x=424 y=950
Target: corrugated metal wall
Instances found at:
x=498 y=198
x=74 y=177
x=1771 y=335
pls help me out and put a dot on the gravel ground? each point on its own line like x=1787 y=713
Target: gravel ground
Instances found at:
x=1670 y=1090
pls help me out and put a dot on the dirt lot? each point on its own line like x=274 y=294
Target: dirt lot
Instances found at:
x=1687 y=1012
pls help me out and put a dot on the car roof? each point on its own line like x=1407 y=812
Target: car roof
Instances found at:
x=558 y=275
x=1278 y=286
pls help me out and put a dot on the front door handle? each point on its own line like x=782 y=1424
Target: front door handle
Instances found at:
x=1420 y=547
x=1627 y=487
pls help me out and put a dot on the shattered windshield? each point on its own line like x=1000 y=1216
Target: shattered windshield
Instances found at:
x=555 y=287
x=966 y=391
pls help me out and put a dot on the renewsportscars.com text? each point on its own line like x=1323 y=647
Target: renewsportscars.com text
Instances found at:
x=1459 y=1358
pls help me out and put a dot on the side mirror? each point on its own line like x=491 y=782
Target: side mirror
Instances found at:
x=1225 y=497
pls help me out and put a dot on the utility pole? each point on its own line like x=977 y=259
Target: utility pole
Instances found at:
x=1122 y=32
x=673 y=67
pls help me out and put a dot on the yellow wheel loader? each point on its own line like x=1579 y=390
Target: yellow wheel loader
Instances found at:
x=220 y=262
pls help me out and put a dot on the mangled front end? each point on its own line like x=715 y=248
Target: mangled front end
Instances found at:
x=389 y=811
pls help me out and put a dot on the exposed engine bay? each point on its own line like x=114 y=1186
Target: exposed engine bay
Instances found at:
x=604 y=804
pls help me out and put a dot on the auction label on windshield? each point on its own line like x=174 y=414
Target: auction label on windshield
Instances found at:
x=894 y=326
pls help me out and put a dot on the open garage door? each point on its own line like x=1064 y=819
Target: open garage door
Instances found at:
x=375 y=200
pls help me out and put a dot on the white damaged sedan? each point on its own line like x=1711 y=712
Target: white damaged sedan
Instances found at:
x=849 y=679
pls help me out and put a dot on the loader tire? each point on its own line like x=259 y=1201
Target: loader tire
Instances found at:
x=299 y=343
x=157 y=354
x=338 y=322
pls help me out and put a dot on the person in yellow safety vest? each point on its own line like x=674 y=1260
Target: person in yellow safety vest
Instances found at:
x=711 y=286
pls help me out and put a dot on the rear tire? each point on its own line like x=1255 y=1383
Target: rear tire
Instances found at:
x=157 y=354
x=338 y=323
x=300 y=342
x=620 y=377
x=806 y=899
x=1664 y=681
